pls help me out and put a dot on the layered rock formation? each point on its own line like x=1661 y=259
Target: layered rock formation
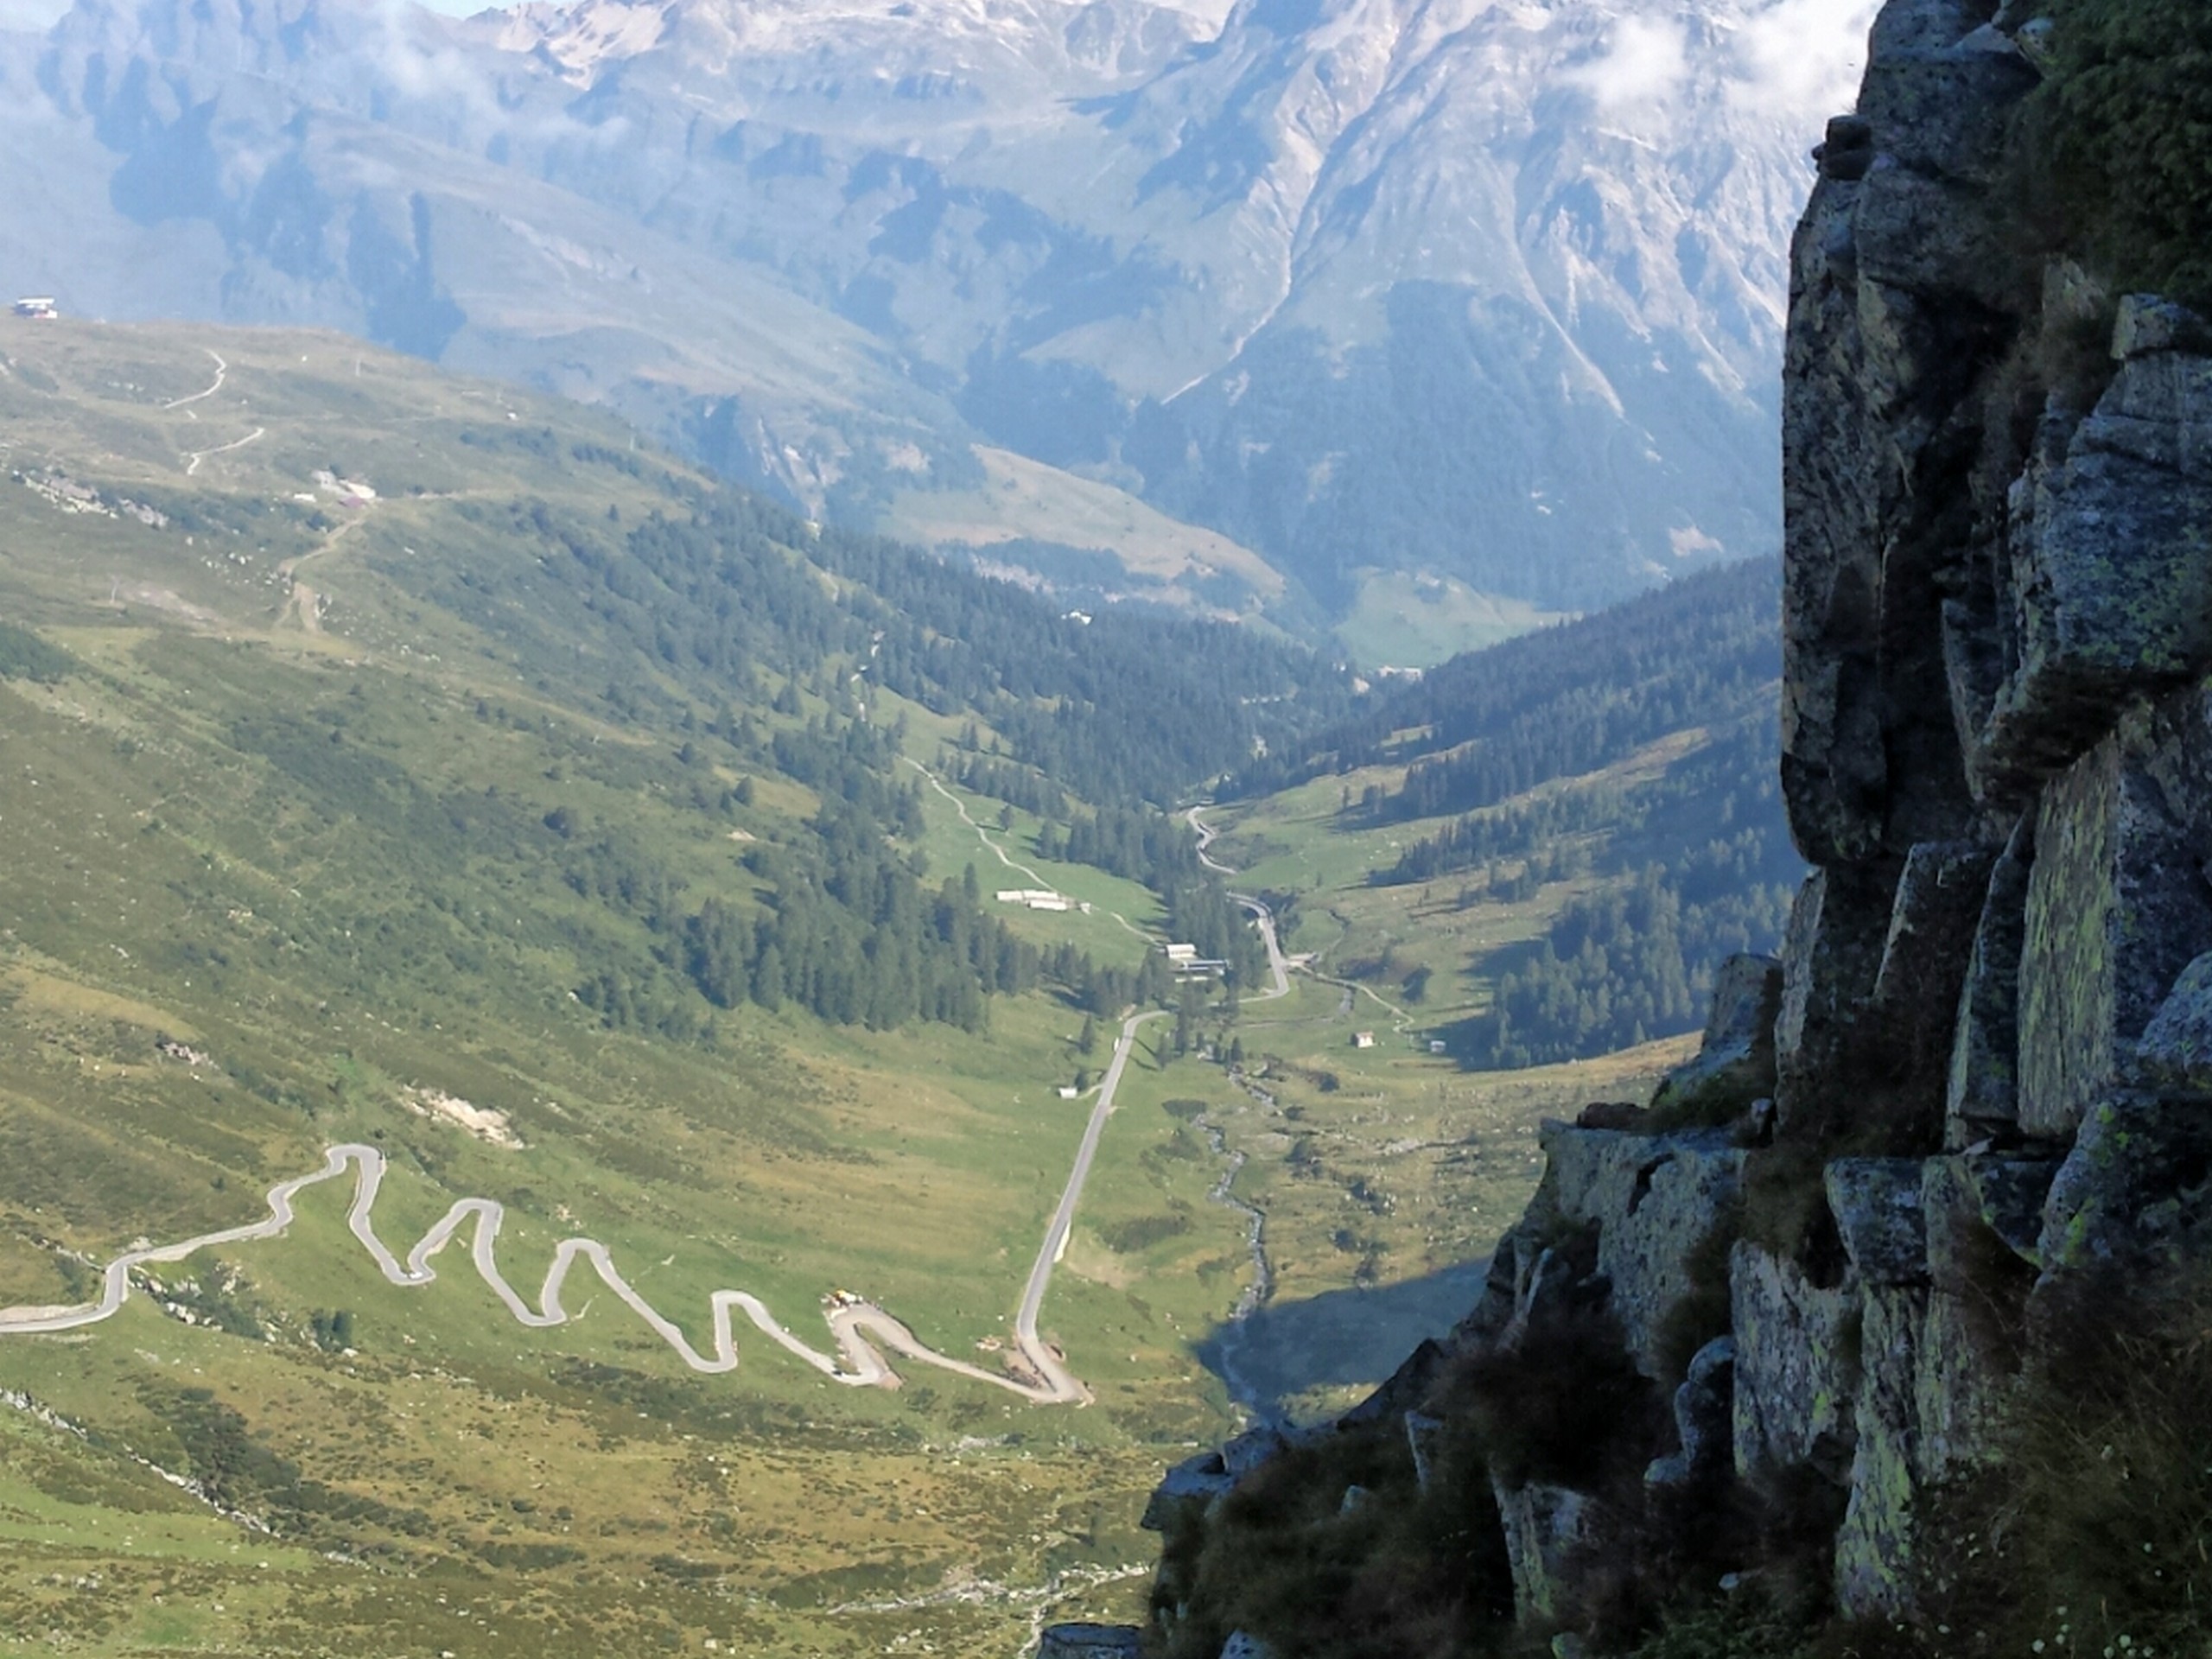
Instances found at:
x=1981 y=1076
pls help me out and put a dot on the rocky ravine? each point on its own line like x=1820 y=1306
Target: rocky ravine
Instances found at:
x=1978 y=1080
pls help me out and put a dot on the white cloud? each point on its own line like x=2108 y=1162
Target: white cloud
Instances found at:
x=40 y=15
x=1644 y=64
x=1802 y=58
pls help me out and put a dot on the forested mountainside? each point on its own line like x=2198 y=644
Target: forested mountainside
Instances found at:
x=1625 y=763
x=1070 y=275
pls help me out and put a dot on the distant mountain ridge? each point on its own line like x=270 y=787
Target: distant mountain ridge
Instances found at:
x=1492 y=290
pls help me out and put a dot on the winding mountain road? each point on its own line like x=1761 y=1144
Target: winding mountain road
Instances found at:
x=862 y=1330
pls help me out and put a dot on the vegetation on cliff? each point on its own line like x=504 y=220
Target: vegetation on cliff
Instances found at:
x=2118 y=135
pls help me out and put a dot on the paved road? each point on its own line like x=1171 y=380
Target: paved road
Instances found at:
x=858 y=1362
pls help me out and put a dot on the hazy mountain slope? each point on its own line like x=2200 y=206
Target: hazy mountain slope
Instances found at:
x=1562 y=837
x=1345 y=279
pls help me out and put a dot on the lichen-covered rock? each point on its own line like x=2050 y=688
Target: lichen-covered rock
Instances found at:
x=1656 y=1200
x=1874 y=1547
x=1981 y=1091
x=2010 y=1189
x=1827 y=1048
x=1090 y=1642
x=2117 y=907
x=1543 y=1525
x=1702 y=1427
x=2111 y=581
x=1408 y=1385
x=2132 y=1183
x=1968 y=1348
x=2176 y=1045
x=1877 y=1205
x=1734 y=1064
x=1941 y=895
x=1796 y=1371
x=1939 y=82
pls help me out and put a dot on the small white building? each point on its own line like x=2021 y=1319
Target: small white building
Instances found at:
x=1363 y=1039
x=40 y=306
x=1067 y=1091
x=1180 y=954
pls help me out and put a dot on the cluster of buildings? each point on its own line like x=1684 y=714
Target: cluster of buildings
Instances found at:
x=1036 y=899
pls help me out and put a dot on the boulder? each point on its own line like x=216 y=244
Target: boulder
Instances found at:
x=1940 y=82
x=1655 y=1200
x=2117 y=907
x=1797 y=1368
x=1981 y=1088
x=2010 y=1190
x=1702 y=1436
x=2147 y=324
x=1090 y=1642
x=1875 y=1545
x=1242 y=1644
x=1734 y=1064
x=1543 y=1525
x=1877 y=1205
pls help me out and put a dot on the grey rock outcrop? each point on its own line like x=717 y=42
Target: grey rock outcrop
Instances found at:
x=2176 y=1045
x=1090 y=1642
x=1796 y=1374
x=1543 y=1526
x=1656 y=1202
x=1704 y=1443
x=2117 y=906
x=1877 y=1205
x=1981 y=1088
x=1191 y=1484
x=1734 y=1064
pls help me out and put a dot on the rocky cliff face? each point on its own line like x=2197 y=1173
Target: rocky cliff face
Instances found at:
x=1821 y=1283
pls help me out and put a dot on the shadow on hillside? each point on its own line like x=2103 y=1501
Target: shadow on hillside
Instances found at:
x=1341 y=1339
